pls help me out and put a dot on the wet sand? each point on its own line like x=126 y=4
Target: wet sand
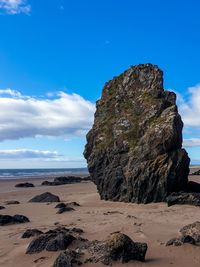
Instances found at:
x=154 y=224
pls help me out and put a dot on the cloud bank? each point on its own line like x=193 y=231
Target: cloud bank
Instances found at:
x=192 y=142
x=31 y=154
x=13 y=7
x=27 y=153
x=28 y=117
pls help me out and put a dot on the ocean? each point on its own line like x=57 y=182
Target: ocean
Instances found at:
x=10 y=173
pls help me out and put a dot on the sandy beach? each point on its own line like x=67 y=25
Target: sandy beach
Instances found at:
x=154 y=224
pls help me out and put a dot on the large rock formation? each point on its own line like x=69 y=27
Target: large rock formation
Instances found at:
x=134 y=149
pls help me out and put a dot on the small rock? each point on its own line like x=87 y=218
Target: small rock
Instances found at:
x=2 y=207
x=45 y=197
x=175 y=242
x=60 y=205
x=61 y=210
x=12 y=202
x=31 y=232
x=7 y=219
x=39 y=259
x=24 y=185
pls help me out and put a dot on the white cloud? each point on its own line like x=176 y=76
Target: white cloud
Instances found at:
x=27 y=154
x=190 y=111
x=13 y=7
x=28 y=117
x=11 y=92
x=65 y=159
x=192 y=142
x=30 y=154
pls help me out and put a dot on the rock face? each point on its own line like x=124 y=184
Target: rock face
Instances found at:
x=134 y=149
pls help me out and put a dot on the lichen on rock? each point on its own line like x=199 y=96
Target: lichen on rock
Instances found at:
x=134 y=149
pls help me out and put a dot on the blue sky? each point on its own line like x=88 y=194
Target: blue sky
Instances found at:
x=56 y=55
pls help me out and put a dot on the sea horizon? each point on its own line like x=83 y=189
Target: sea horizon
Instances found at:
x=25 y=172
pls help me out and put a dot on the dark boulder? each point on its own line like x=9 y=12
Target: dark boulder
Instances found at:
x=39 y=244
x=47 y=183
x=134 y=149
x=183 y=198
x=45 y=197
x=7 y=219
x=60 y=242
x=31 y=232
x=2 y=207
x=52 y=240
x=188 y=234
x=66 y=180
x=196 y=173
x=12 y=202
x=67 y=259
x=24 y=185
x=118 y=247
x=192 y=230
x=20 y=219
x=121 y=247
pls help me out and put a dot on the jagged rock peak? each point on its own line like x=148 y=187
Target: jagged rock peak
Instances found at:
x=134 y=149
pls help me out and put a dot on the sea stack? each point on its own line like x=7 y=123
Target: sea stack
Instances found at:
x=134 y=149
